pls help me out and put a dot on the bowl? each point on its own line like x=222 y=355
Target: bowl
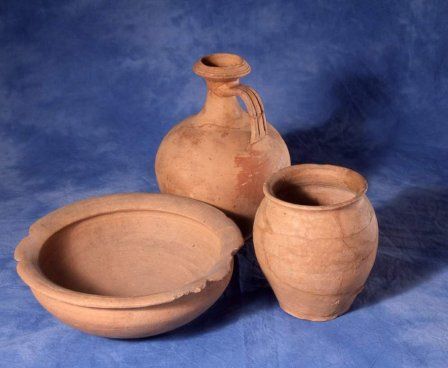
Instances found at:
x=129 y=265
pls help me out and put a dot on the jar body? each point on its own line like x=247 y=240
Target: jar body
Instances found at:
x=215 y=163
x=317 y=261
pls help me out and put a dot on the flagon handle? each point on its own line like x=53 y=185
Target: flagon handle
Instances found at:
x=254 y=107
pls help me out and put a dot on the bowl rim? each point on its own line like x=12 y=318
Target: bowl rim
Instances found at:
x=27 y=251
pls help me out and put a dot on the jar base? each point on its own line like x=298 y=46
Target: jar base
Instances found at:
x=309 y=317
x=309 y=306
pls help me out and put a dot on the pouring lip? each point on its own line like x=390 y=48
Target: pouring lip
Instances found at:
x=221 y=66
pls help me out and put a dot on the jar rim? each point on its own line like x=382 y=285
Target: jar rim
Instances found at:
x=335 y=176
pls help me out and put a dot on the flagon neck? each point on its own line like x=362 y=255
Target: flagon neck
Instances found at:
x=218 y=69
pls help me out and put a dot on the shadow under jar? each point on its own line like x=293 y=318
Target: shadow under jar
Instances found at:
x=316 y=238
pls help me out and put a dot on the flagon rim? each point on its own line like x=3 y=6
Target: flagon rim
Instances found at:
x=221 y=66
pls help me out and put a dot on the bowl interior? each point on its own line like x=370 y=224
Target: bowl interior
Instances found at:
x=129 y=253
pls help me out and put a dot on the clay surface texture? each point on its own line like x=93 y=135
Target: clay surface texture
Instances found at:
x=316 y=238
x=129 y=265
x=223 y=154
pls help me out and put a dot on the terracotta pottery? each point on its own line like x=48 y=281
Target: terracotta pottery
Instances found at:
x=316 y=237
x=129 y=265
x=223 y=155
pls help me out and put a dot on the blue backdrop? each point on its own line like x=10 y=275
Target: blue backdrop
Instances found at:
x=89 y=88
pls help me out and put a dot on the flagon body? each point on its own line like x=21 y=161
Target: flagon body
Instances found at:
x=223 y=154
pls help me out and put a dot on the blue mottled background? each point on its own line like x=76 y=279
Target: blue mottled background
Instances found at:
x=89 y=88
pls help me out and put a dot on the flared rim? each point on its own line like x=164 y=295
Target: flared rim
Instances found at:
x=28 y=250
x=221 y=66
x=354 y=181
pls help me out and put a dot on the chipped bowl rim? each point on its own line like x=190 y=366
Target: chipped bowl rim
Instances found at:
x=28 y=250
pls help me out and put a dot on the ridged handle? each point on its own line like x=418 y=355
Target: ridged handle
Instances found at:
x=254 y=106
